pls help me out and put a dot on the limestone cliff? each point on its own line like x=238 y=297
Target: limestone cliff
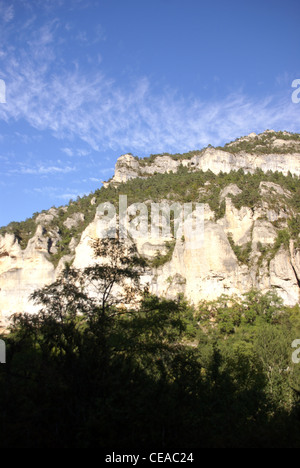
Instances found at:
x=244 y=245
x=265 y=151
x=214 y=268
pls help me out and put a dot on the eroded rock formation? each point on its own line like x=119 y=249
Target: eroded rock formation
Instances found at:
x=205 y=272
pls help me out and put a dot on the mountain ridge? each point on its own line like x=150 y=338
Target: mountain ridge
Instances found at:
x=251 y=222
x=265 y=151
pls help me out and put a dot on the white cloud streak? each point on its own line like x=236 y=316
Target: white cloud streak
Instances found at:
x=104 y=115
x=6 y=12
x=43 y=170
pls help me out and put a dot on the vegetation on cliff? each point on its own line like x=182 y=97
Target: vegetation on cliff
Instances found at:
x=183 y=186
x=89 y=372
x=265 y=143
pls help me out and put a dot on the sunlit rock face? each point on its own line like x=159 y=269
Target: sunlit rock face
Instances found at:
x=282 y=156
x=201 y=272
x=22 y=272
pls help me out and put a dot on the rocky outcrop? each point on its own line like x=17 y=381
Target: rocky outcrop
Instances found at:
x=22 y=272
x=215 y=160
x=212 y=269
x=201 y=272
x=74 y=220
x=205 y=272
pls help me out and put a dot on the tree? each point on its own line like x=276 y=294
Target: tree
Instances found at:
x=103 y=288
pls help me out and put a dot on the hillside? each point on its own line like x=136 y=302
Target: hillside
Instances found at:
x=249 y=190
x=171 y=337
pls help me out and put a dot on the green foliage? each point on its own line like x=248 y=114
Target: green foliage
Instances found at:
x=160 y=259
x=250 y=195
x=294 y=226
x=86 y=372
x=227 y=314
x=262 y=144
x=283 y=238
x=22 y=231
x=242 y=252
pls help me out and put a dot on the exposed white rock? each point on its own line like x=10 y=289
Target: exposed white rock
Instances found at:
x=267 y=188
x=231 y=189
x=199 y=273
x=73 y=243
x=66 y=259
x=282 y=277
x=74 y=220
x=47 y=217
x=22 y=272
x=202 y=272
x=263 y=232
x=215 y=160
x=161 y=164
x=236 y=222
x=127 y=167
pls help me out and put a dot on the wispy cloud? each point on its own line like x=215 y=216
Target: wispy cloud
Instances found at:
x=56 y=192
x=68 y=151
x=6 y=12
x=70 y=195
x=42 y=170
x=75 y=152
x=104 y=115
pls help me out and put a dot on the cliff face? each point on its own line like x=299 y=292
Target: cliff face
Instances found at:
x=267 y=152
x=22 y=271
x=213 y=268
x=127 y=167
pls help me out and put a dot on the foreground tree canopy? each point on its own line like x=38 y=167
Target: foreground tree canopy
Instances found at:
x=88 y=371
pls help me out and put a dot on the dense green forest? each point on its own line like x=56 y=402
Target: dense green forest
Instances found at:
x=90 y=373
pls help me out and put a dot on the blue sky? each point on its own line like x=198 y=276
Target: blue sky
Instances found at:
x=87 y=81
